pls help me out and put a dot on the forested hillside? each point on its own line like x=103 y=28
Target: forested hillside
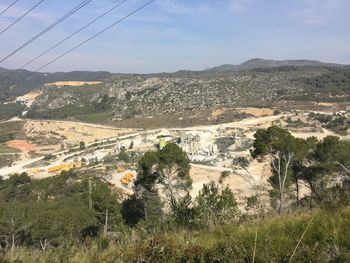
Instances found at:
x=127 y=96
x=257 y=83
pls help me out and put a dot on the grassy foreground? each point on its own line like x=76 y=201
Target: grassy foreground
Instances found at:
x=326 y=239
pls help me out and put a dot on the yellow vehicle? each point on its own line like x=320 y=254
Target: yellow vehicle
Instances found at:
x=127 y=178
x=63 y=167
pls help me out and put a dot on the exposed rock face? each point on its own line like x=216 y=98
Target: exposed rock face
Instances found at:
x=169 y=94
x=52 y=101
x=126 y=96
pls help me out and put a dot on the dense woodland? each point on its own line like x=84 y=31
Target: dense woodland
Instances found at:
x=78 y=217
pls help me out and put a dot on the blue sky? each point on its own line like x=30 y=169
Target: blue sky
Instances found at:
x=170 y=35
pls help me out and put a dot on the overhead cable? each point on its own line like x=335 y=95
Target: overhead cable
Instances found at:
x=7 y=8
x=72 y=35
x=91 y=38
x=21 y=17
x=71 y=12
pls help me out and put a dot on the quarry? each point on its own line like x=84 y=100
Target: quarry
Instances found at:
x=174 y=131
x=50 y=147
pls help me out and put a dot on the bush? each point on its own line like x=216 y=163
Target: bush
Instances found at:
x=215 y=206
x=133 y=211
x=49 y=157
x=123 y=155
x=81 y=146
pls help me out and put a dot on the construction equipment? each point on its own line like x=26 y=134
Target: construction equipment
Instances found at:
x=63 y=167
x=127 y=178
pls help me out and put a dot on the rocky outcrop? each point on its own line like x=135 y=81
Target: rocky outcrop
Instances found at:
x=53 y=101
x=146 y=95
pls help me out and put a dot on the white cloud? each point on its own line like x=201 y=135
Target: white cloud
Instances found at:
x=16 y=12
x=318 y=13
x=175 y=7
x=239 y=6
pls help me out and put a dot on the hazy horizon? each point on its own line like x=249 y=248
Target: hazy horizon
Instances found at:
x=180 y=69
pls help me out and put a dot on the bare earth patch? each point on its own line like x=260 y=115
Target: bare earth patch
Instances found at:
x=72 y=83
x=31 y=96
x=240 y=182
x=257 y=112
x=71 y=131
x=218 y=112
x=21 y=145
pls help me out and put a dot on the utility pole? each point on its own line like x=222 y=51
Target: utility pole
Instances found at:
x=13 y=237
x=90 y=193
x=106 y=224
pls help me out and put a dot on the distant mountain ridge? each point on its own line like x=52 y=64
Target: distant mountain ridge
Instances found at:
x=17 y=83
x=127 y=96
x=264 y=63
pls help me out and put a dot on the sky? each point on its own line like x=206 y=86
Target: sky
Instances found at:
x=171 y=35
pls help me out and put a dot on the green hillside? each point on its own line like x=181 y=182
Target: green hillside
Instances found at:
x=78 y=217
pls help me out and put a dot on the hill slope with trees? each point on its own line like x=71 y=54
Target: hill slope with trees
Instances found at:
x=259 y=83
x=78 y=217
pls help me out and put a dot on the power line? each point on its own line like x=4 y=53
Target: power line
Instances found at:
x=8 y=7
x=65 y=39
x=91 y=38
x=71 y=12
x=22 y=16
x=72 y=35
